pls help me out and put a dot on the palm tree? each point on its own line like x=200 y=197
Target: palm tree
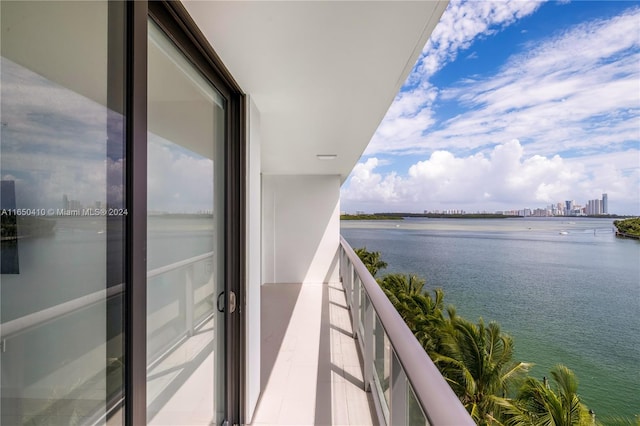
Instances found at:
x=371 y=260
x=401 y=284
x=422 y=312
x=538 y=404
x=476 y=360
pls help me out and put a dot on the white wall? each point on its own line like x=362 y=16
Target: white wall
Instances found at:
x=254 y=280
x=293 y=234
x=301 y=228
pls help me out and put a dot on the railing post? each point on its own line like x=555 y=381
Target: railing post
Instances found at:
x=347 y=279
x=341 y=264
x=189 y=299
x=355 y=301
x=368 y=343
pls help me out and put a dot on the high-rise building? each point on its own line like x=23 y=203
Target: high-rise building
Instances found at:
x=568 y=206
x=605 y=204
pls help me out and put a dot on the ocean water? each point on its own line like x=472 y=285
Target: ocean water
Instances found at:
x=566 y=289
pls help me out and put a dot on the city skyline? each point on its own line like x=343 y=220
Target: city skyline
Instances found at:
x=500 y=111
x=595 y=207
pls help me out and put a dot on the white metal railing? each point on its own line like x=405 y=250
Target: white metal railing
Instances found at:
x=180 y=264
x=194 y=304
x=158 y=348
x=407 y=387
x=30 y=321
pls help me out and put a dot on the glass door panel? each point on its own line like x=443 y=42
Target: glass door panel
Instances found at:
x=62 y=150
x=185 y=201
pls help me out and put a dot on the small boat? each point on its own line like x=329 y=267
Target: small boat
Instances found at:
x=563 y=233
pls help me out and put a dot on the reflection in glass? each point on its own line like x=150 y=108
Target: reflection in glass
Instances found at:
x=414 y=411
x=61 y=155
x=9 y=263
x=185 y=329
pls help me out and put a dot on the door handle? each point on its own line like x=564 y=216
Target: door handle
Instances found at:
x=232 y=302
x=220 y=308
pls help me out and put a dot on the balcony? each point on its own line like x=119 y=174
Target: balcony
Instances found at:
x=331 y=354
x=311 y=369
x=342 y=355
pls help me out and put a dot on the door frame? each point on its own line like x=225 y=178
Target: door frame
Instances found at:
x=175 y=22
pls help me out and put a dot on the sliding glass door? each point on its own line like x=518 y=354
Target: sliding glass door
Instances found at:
x=121 y=170
x=185 y=240
x=62 y=152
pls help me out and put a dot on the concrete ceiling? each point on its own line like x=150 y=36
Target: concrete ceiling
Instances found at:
x=322 y=74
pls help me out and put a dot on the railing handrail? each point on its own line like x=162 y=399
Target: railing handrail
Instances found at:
x=179 y=264
x=19 y=325
x=43 y=316
x=439 y=403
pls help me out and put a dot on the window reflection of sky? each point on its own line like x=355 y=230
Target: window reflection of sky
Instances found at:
x=54 y=142
x=179 y=180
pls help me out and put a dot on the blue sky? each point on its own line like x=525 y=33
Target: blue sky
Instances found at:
x=511 y=105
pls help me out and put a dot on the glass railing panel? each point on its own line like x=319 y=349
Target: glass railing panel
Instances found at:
x=203 y=290
x=415 y=415
x=166 y=312
x=71 y=378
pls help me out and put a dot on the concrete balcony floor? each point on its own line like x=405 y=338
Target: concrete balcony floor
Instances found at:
x=311 y=367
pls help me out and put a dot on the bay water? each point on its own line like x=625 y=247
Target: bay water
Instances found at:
x=566 y=289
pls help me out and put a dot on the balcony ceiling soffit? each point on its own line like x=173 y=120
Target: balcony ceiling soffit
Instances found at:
x=322 y=74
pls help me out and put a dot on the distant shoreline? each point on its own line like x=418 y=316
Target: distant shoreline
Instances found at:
x=369 y=217
x=402 y=216
x=628 y=228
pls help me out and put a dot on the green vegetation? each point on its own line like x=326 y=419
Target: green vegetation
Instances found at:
x=375 y=216
x=401 y=216
x=13 y=227
x=371 y=260
x=539 y=403
x=476 y=359
x=628 y=227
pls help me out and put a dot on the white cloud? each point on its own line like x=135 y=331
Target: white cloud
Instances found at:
x=548 y=95
x=54 y=142
x=464 y=22
x=505 y=178
x=368 y=185
x=179 y=181
x=461 y=23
